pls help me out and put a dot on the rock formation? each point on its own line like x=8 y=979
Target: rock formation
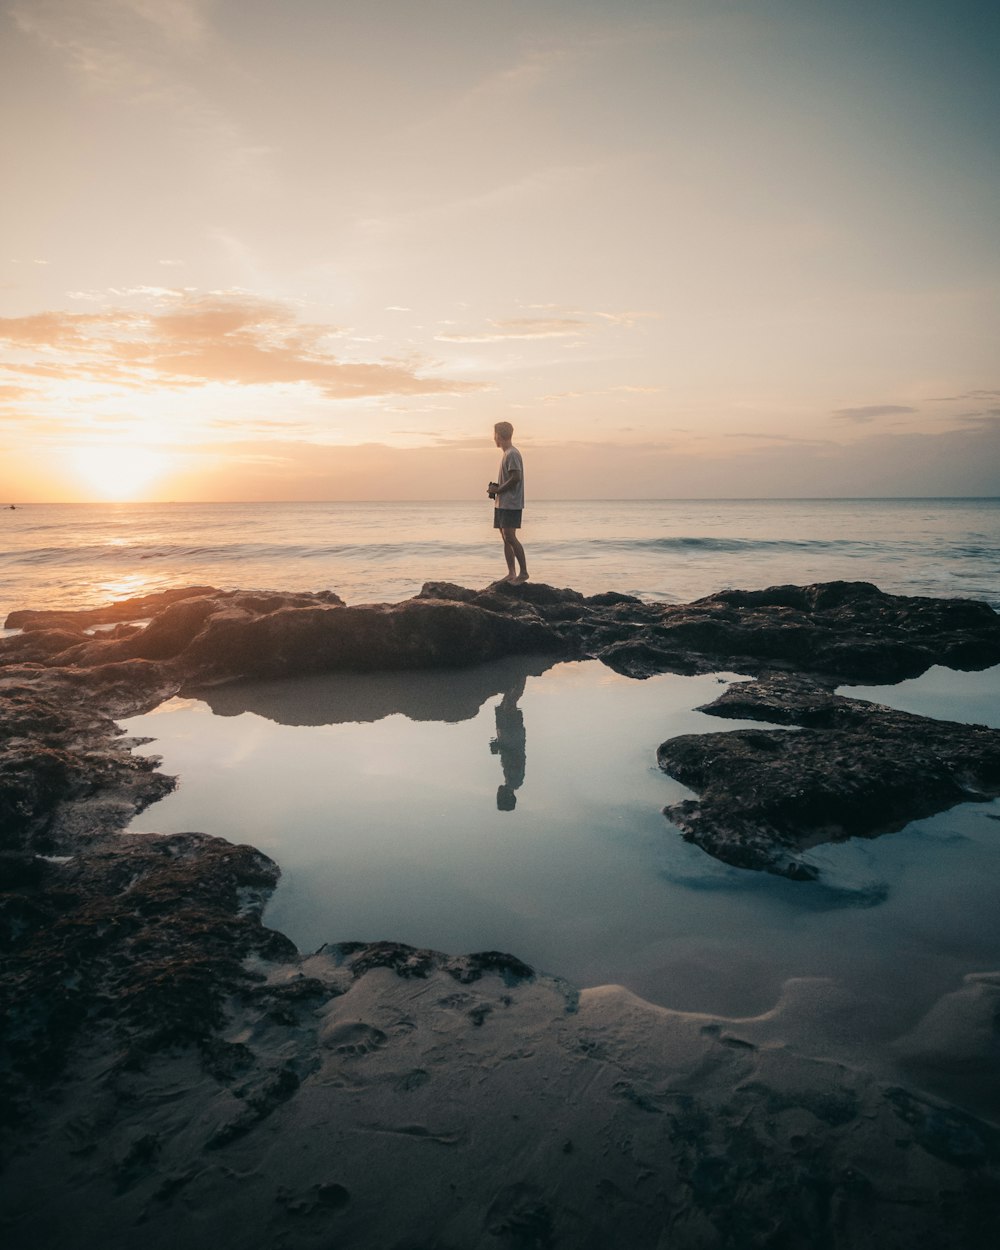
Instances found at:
x=852 y=769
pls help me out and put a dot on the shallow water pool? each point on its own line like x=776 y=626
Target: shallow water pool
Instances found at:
x=518 y=806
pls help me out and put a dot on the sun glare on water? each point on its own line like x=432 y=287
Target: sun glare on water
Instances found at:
x=119 y=473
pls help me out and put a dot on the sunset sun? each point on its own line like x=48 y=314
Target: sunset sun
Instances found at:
x=118 y=473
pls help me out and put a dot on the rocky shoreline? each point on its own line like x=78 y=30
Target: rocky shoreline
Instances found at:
x=173 y=1070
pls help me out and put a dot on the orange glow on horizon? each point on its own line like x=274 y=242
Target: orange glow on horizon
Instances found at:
x=119 y=473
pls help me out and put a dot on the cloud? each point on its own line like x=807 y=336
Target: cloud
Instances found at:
x=151 y=53
x=198 y=339
x=9 y=394
x=862 y=416
x=777 y=439
x=116 y=45
x=979 y=421
x=521 y=328
x=966 y=397
x=558 y=396
x=627 y=319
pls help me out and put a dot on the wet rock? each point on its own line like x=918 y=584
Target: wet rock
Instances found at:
x=847 y=630
x=146 y=934
x=842 y=630
x=854 y=769
x=122 y=610
x=53 y=752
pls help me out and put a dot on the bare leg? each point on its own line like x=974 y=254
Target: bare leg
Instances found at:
x=514 y=552
x=508 y=555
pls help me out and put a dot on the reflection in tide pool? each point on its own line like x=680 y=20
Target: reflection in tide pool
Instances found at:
x=517 y=806
x=942 y=693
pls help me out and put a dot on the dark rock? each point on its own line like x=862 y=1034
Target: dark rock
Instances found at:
x=414 y=634
x=147 y=933
x=856 y=769
x=405 y=961
x=122 y=610
x=413 y=962
x=54 y=752
x=839 y=630
x=470 y=968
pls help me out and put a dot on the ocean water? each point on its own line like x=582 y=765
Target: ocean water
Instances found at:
x=80 y=555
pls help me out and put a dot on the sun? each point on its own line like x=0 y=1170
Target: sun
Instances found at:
x=119 y=473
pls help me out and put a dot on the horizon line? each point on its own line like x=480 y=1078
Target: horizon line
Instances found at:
x=175 y=503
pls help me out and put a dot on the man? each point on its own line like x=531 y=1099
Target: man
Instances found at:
x=508 y=498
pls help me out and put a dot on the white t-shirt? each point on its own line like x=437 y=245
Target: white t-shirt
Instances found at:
x=509 y=465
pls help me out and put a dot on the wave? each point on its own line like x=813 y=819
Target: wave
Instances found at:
x=224 y=553
x=119 y=552
x=722 y=544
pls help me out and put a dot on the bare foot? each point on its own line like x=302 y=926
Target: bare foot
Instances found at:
x=521 y=577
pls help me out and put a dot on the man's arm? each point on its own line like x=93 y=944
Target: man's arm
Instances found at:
x=510 y=483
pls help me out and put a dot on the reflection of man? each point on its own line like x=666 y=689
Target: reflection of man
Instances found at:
x=509 y=744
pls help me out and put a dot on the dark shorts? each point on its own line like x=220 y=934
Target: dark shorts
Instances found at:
x=507 y=518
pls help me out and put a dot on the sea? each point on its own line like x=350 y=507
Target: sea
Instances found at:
x=672 y=551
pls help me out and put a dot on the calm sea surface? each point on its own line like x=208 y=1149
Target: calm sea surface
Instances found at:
x=74 y=555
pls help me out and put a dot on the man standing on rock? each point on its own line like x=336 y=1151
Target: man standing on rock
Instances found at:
x=508 y=498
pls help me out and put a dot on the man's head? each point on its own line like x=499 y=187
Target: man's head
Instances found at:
x=503 y=432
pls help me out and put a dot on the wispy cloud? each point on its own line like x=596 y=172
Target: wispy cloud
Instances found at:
x=556 y=397
x=11 y=394
x=754 y=436
x=976 y=420
x=871 y=412
x=116 y=45
x=198 y=339
x=520 y=328
x=628 y=318
x=966 y=397
x=559 y=323
x=163 y=53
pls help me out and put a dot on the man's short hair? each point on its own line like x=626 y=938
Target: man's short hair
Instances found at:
x=504 y=429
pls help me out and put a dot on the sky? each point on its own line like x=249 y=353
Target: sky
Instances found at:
x=314 y=250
